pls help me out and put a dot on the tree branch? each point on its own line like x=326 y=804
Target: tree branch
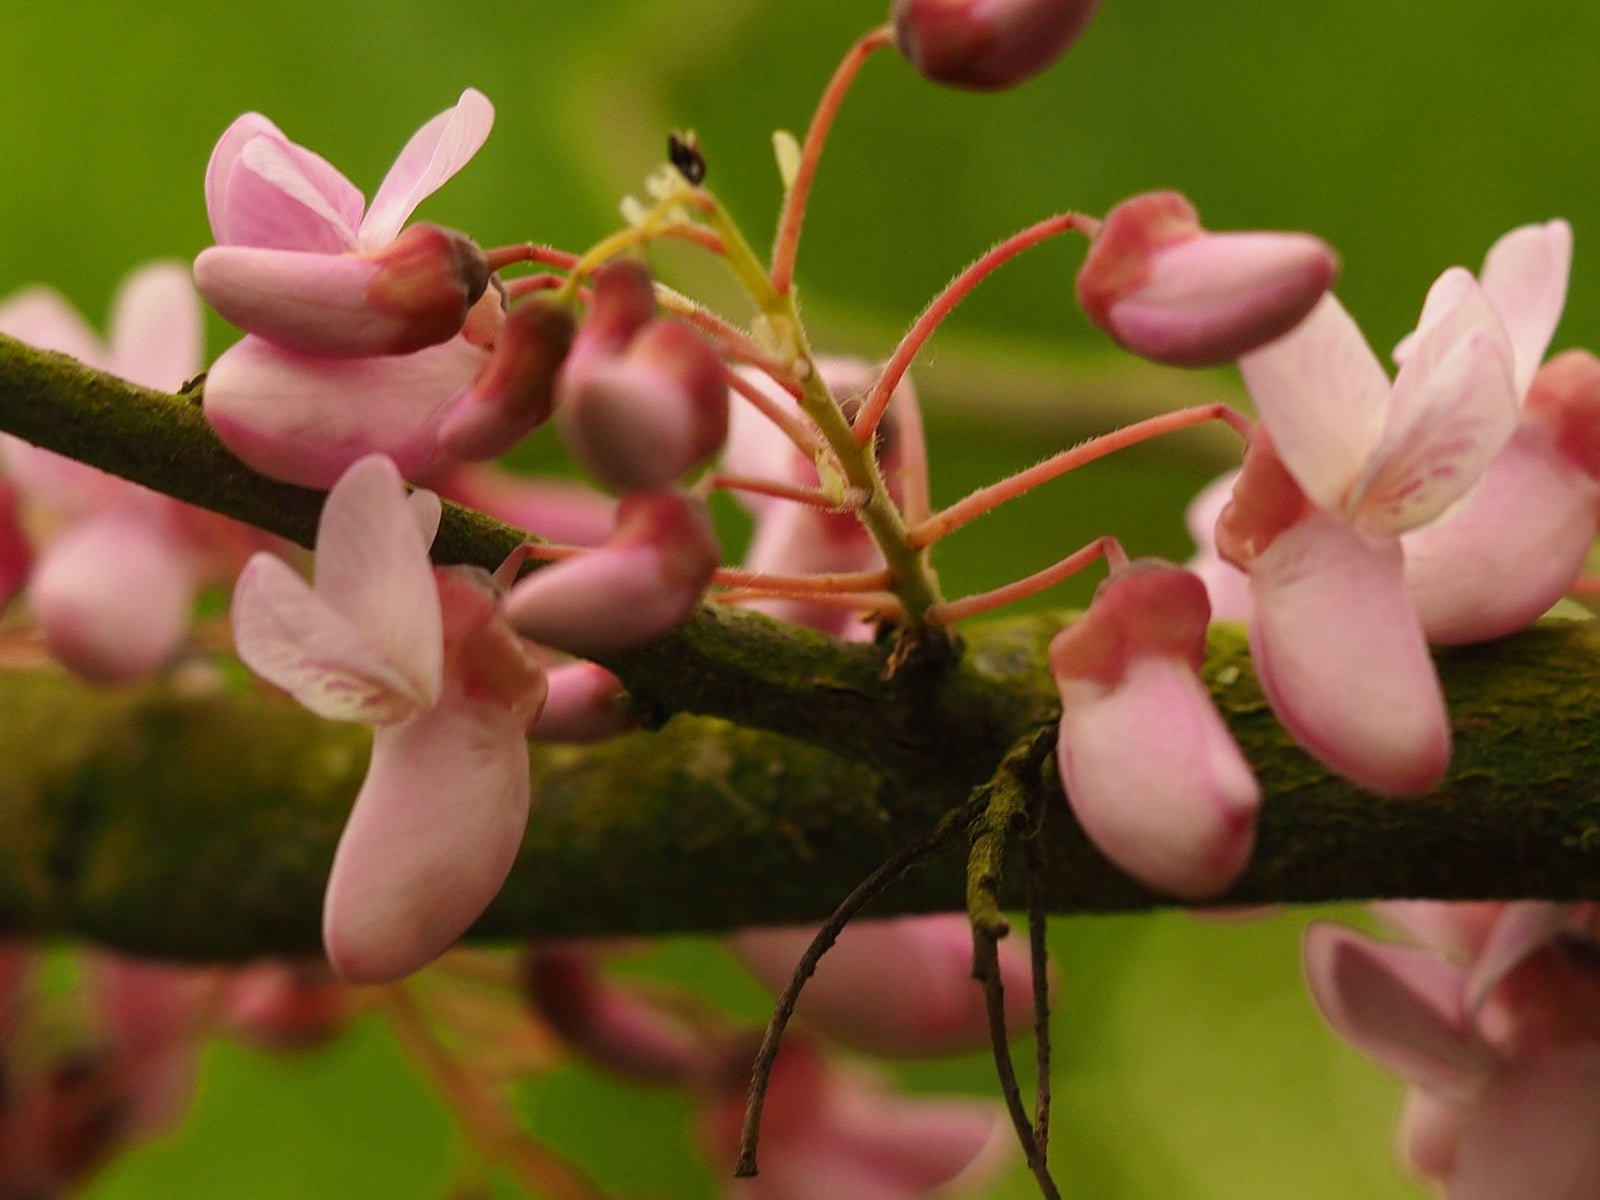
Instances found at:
x=202 y=825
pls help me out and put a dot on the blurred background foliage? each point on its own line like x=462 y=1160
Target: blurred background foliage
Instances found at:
x=1409 y=135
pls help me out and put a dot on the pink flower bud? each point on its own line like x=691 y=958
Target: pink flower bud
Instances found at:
x=987 y=45
x=516 y=392
x=584 y=704
x=640 y=420
x=623 y=300
x=16 y=552
x=1166 y=289
x=646 y=578
x=410 y=293
x=1149 y=767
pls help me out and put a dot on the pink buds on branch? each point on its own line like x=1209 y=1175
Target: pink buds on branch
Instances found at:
x=515 y=394
x=987 y=45
x=1170 y=291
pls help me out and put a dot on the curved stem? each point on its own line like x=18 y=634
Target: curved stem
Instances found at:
x=982 y=602
x=787 y=243
x=995 y=494
x=955 y=291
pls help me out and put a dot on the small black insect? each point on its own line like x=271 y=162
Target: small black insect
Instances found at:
x=683 y=152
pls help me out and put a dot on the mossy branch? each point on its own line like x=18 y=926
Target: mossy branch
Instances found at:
x=202 y=825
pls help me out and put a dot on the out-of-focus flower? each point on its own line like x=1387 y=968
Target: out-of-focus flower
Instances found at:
x=1170 y=291
x=383 y=639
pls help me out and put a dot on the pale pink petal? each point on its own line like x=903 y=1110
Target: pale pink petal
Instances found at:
x=1445 y=296
x=1501 y=560
x=373 y=567
x=281 y=196
x=1532 y=1132
x=899 y=988
x=292 y=637
x=41 y=317
x=1227 y=587
x=647 y=578
x=1428 y=1134
x=1342 y=659
x=305 y=300
x=1322 y=397
x=1523 y=927
x=914 y=1145
x=430 y=840
x=1452 y=410
x=1525 y=278
x=435 y=152
x=113 y=596
x=304 y=420
x=1155 y=778
x=1455 y=930
x=225 y=154
x=584 y=704
x=1400 y=1006
x=156 y=328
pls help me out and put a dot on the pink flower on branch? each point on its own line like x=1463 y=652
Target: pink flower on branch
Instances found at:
x=384 y=639
x=1147 y=763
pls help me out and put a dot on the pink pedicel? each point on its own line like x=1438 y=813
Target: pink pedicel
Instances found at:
x=382 y=638
x=1170 y=291
x=987 y=45
x=515 y=394
x=832 y=1130
x=1147 y=763
x=646 y=578
x=1500 y=1046
x=899 y=988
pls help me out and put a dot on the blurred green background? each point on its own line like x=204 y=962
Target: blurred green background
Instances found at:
x=1409 y=135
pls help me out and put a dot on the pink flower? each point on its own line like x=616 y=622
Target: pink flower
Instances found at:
x=360 y=334
x=1501 y=1048
x=1149 y=767
x=297 y=262
x=987 y=45
x=1343 y=465
x=113 y=590
x=1170 y=291
x=384 y=639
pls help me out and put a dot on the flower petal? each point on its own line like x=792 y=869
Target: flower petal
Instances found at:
x=292 y=637
x=282 y=196
x=435 y=152
x=41 y=317
x=304 y=420
x=1452 y=410
x=430 y=840
x=1342 y=659
x=1398 y=1005
x=373 y=567
x=1322 y=396
x=1525 y=279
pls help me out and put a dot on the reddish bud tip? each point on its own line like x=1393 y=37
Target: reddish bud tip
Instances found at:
x=987 y=45
x=1565 y=398
x=516 y=392
x=430 y=277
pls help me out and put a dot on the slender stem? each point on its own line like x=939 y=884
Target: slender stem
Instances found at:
x=982 y=602
x=865 y=892
x=885 y=606
x=843 y=581
x=988 y=498
x=797 y=431
x=954 y=292
x=484 y=1118
x=787 y=243
x=1039 y=953
x=530 y=252
x=809 y=496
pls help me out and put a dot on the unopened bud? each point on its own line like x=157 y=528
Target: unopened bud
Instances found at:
x=987 y=45
x=645 y=579
x=624 y=300
x=412 y=293
x=516 y=392
x=640 y=420
x=1168 y=290
x=1565 y=398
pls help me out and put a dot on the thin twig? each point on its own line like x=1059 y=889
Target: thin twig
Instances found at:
x=1038 y=927
x=865 y=892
